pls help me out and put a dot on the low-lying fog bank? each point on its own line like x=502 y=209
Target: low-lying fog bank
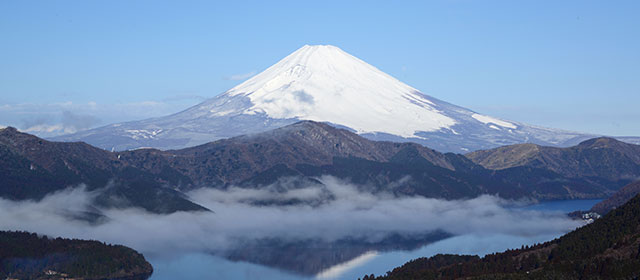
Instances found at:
x=326 y=214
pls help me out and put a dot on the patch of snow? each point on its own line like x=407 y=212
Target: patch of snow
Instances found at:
x=142 y=148
x=143 y=133
x=220 y=114
x=494 y=127
x=487 y=120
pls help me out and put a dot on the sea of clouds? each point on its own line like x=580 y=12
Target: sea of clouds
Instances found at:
x=344 y=212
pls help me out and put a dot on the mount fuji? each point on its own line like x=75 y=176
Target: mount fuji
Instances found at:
x=325 y=84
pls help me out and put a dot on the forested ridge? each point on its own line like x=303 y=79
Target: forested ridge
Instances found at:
x=609 y=248
x=25 y=255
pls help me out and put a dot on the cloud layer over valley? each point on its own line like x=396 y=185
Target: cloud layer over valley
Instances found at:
x=344 y=212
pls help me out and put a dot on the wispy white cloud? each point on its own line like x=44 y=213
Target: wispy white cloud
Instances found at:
x=238 y=77
x=52 y=119
x=68 y=122
x=48 y=129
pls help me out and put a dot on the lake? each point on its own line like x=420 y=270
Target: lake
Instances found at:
x=198 y=265
x=565 y=206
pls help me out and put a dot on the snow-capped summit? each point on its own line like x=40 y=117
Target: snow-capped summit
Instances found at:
x=324 y=83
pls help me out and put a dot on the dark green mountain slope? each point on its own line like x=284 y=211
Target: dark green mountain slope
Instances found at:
x=31 y=168
x=28 y=256
x=609 y=248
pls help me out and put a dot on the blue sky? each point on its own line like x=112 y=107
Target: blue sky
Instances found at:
x=69 y=65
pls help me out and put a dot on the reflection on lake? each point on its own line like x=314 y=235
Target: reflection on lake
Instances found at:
x=312 y=256
x=205 y=266
x=355 y=261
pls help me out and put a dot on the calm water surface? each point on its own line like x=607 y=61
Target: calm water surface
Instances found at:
x=565 y=206
x=206 y=266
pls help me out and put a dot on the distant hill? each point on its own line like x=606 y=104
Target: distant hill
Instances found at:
x=620 y=197
x=609 y=248
x=311 y=149
x=604 y=162
x=31 y=167
x=599 y=157
x=154 y=179
x=307 y=150
x=26 y=255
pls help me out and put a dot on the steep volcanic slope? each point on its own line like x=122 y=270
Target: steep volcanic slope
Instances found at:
x=324 y=83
